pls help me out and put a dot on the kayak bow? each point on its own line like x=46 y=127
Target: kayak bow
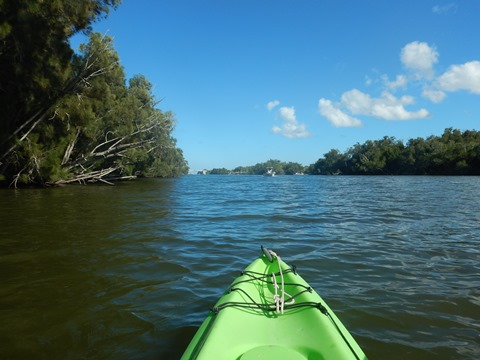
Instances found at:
x=270 y=312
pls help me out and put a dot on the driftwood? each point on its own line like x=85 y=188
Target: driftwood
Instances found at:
x=94 y=176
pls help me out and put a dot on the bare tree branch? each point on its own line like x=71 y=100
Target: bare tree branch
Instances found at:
x=70 y=147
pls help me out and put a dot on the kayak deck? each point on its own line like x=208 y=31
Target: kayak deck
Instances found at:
x=247 y=323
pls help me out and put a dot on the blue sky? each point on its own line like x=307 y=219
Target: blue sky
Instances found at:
x=253 y=80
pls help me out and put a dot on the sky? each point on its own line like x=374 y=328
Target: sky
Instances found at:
x=253 y=80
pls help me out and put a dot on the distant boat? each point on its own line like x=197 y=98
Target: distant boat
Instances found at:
x=299 y=173
x=269 y=172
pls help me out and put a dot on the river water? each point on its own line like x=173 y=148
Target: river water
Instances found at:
x=130 y=271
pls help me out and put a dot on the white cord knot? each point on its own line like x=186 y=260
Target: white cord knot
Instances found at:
x=279 y=299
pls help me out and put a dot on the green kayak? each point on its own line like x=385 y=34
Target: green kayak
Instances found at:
x=270 y=312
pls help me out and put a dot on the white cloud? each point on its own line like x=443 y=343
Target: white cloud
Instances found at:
x=272 y=104
x=461 y=77
x=433 y=95
x=368 y=81
x=290 y=127
x=336 y=116
x=386 y=107
x=445 y=9
x=419 y=57
x=356 y=101
x=399 y=82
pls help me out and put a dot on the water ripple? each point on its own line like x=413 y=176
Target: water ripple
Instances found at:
x=133 y=269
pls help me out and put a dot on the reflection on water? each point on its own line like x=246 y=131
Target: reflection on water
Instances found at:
x=130 y=271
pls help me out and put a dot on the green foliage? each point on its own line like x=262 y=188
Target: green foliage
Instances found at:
x=453 y=153
x=35 y=56
x=71 y=117
x=292 y=168
x=221 y=171
x=280 y=168
x=119 y=126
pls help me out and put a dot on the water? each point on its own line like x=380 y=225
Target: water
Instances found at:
x=130 y=271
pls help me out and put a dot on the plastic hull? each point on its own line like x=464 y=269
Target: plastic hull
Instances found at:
x=245 y=323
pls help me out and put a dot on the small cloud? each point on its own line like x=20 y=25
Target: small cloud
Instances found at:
x=272 y=104
x=435 y=96
x=461 y=77
x=445 y=9
x=419 y=58
x=336 y=116
x=399 y=82
x=290 y=127
x=368 y=81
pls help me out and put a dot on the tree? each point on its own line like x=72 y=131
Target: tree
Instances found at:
x=453 y=153
x=220 y=171
x=292 y=168
x=35 y=58
x=117 y=132
x=70 y=117
x=333 y=162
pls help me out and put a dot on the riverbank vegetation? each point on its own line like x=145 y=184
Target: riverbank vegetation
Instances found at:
x=452 y=153
x=74 y=117
x=279 y=167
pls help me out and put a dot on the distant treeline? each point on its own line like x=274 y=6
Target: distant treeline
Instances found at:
x=279 y=167
x=453 y=153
